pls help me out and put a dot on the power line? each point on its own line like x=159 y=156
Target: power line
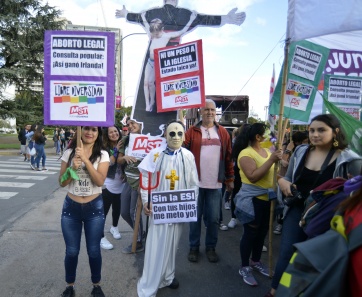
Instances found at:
x=281 y=39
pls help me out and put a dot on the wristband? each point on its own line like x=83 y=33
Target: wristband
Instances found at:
x=114 y=152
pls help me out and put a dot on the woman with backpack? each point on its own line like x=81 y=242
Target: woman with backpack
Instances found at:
x=326 y=157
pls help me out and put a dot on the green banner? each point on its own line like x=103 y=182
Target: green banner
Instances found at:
x=306 y=63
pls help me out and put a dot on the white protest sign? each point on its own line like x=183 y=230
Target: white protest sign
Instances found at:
x=140 y=145
x=178 y=206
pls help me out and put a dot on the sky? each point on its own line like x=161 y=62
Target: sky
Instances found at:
x=238 y=60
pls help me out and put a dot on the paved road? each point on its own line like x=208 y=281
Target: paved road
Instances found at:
x=32 y=251
x=21 y=188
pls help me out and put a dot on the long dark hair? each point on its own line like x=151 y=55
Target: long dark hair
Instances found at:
x=247 y=136
x=38 y=133
x=106 y=141
x=96 y=150
x=332 y=121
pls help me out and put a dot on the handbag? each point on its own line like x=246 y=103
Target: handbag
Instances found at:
x=32 y=151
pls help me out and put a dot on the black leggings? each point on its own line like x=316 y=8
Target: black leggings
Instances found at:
x=114 y=200
x=255 y=232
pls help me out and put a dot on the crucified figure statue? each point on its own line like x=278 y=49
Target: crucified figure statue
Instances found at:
x=174 y=19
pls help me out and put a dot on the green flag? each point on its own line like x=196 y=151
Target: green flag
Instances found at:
x=351 y=126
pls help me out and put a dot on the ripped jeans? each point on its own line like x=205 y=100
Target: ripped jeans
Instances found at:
x=255 y=232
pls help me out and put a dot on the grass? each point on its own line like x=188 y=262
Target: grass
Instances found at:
x=10 y=141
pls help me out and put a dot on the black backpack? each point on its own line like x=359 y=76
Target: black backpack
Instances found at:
x=318 y=268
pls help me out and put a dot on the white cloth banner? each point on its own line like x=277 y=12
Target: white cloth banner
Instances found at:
x=311 y=18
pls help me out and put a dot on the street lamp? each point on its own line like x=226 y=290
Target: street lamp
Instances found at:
x=121 y=53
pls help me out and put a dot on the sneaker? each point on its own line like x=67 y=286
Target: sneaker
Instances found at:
x=278 y=229
x=211 y=255
x=32 y=166
x=232 y=224
x=97 y=291
x=265 y=249
x=68 y=292
x=258 y=266
x=128 y=249
x=37 y=169
x=223 y=227
x=193 y=255
x=44 y=169
x=105 y=244
x=248 y=277
x=227 y=205
x=115 y=232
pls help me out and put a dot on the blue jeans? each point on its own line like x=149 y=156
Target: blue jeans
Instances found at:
x=32 y=158
x=40 y=153
x=129 y=198
x=57 y=147
x=74 y=216
x=208 y=204
x=291 y=234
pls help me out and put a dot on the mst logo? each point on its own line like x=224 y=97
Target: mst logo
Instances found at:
x=79 y=110
x=145 y=144
x=181 y=99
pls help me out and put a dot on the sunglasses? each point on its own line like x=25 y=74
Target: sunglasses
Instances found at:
x=173 y=134
x=87 y=128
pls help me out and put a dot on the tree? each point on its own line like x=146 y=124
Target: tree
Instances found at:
x=22 y=27
x=119 y=114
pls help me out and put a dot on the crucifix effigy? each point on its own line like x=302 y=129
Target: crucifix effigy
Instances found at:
x=168 y=18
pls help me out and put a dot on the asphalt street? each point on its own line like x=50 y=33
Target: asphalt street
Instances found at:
x=32 y=254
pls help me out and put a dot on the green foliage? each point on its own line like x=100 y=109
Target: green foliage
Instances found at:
x=119 y=114
x=252 y=120
x=22 y=27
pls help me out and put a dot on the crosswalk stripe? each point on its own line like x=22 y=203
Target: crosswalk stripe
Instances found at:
x=16 y=185
x=25 y=166
x=22 y=171
x=32 y=177
x=7 y=195
x=46 y=161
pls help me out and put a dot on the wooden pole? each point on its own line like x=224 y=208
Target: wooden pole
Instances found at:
x=278 y=146
x=79 y=135
x=181 y=115
x=136 y=224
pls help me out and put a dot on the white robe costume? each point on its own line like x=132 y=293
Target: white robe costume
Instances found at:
x=162 y=240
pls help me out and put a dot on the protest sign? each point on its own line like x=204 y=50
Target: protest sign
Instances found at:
x=176 y=206
x=140 y=145
x=79 y=78
x=304 y=73
x=179 y=77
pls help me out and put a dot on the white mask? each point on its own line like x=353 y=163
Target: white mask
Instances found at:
x=175 y=135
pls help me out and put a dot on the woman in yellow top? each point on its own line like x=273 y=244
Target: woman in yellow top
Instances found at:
x=256 y=166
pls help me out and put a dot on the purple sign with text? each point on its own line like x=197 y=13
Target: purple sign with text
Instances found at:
x=79 y=78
